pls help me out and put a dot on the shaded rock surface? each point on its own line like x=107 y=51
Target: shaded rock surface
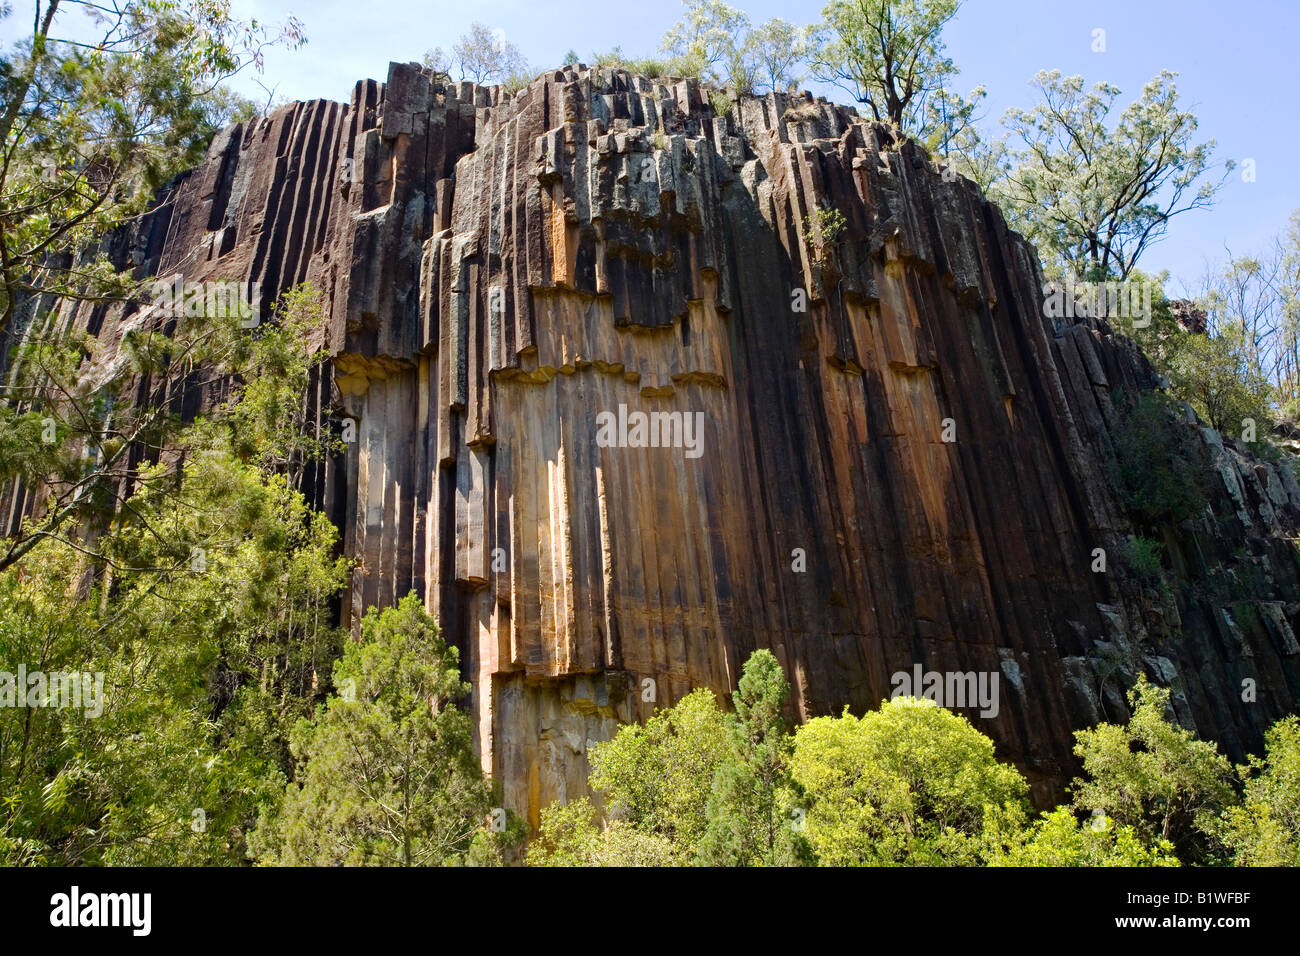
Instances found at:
x=903 y=461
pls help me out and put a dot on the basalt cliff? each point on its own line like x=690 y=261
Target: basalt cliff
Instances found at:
x=900 y=459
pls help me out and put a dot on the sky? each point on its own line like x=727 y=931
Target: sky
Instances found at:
x=1236 y=61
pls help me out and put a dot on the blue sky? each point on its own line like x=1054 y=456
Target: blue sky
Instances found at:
x=1237 y=65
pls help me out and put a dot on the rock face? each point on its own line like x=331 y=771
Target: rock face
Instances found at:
x=900 y=460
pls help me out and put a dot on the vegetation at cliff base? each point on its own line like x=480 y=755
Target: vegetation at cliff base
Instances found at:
x=914 y=784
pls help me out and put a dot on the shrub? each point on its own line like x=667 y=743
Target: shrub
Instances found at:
x=1155 y=469
x=1143 y=556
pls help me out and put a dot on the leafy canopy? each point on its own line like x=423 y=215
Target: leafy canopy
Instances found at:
x=909 y=783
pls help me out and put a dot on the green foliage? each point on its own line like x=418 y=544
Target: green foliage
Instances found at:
x=265 y=424
x=771 y=54
x=1091 y=195
x=495 y=848
x=1154 y=467
x=822 y=231
x=889 y=55
x=651 y=67
x=1217 y=377
x=1154 y=776
x=1265 y=829
x=92 y=129
x=751 y=814
x=207 y=611
x=386 y=771
x=656 y=780
x=570 y=837
x=908 y=784
x=715 y=43
x=1058 y=839
x=708 y=43
x=657 y=777
x=439 y=63
x=913 y=784
x=517 y=80
x=484 y=57
x=1143 y=556
x=948 y=131
x=74 y=435
x=721 y=102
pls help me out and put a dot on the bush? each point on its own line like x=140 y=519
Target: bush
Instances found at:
x=911 y=783
x=1059 y=839
x=1156 y=469
x=1265 y=829
x=1154 y=776
x=1143 y=556
x=722 y=102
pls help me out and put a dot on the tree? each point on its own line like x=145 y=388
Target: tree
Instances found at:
x=1154 y=776
x=439 y=63
x=92 y=129
x=657 y=777
x=888 y=54
x=1287 y=347
x=910 y=783
x=1217 y=376
x=1265 y=829
x=387 y=773
x=1093 y=196
x=73 y=432
x=948 y=131
x=486 y=56
x=201 y=610
x=1058 y=839
x=751 y=814
x=708 y=43
x=1253 y=301
x=771 y=54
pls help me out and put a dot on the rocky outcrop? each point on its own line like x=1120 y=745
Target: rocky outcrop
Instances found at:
x=901 y=460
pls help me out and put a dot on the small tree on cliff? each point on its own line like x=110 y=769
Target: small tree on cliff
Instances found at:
x=772 y=54
x=709 y=43
x=715 y=43
x=486 y=56
x=887 y=53
x=387 y=773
